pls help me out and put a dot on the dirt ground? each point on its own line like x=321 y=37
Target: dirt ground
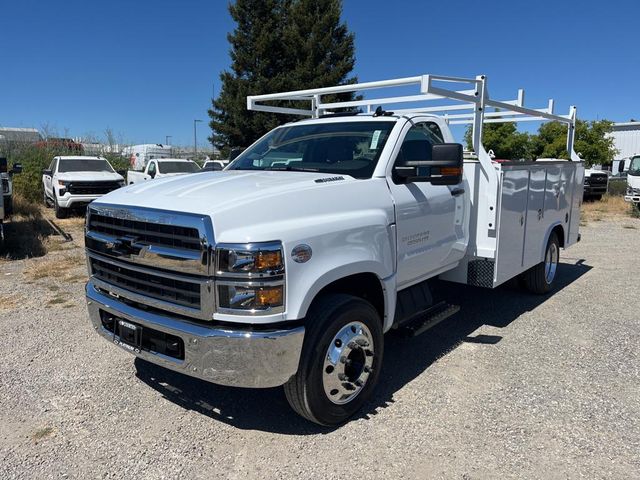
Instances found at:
x=513 y=386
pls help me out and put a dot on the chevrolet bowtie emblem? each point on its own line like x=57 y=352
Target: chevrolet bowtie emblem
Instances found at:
x=124 y=246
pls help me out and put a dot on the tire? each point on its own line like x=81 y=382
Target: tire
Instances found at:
x=45 y=199
x=60 y=211
x=539 y=279
x=8 y=206
x=344 y=331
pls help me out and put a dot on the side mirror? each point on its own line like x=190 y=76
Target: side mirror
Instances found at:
x=3 y=165
x=444 y=168
x=17 y=168
x=621 y=166
x=47 y=172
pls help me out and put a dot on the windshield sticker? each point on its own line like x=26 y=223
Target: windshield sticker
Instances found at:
x=374 y=139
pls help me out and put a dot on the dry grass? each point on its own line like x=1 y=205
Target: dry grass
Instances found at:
x=60 y=267
x=610 y=207
x=9 y=302
x=42 y=433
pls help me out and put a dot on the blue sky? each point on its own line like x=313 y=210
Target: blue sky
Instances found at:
x=146 y=69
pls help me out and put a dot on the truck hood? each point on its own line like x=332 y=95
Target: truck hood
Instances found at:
x=257 y=206
x=90 y=176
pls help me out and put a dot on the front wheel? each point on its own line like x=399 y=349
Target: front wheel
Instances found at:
x=340 y=362
x=60 y=211
x=539 y=279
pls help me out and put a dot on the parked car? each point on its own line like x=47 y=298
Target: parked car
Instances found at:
x=288 y=267
x=633 y=181
x=6 y=178
x=214 y=165
x=162 y=167
x=74 y=181
x=596 y=183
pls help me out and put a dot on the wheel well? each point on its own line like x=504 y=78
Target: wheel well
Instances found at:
x=362 y=285
x=559 y=231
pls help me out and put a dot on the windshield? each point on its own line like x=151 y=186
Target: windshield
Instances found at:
x=634 y=166
x=350 y=148
x=178 y=167
x=83 y=165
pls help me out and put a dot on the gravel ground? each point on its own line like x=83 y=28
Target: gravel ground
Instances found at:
x=514 y=386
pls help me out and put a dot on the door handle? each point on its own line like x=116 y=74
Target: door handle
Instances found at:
x=457 y=191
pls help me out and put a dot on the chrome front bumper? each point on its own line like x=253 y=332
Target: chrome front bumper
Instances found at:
x=234 y=357
x=632 y=198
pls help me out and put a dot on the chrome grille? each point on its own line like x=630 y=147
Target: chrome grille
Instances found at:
x=154 y=285
x=152 y=233
x=152 y=257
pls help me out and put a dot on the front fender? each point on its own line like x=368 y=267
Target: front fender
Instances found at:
x=361 y=250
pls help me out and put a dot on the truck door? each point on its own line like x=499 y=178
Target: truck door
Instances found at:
x=151 y=170
x=48 y=179
x=429 y=218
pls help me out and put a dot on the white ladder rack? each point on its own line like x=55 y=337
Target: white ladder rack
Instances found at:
x=473 y=103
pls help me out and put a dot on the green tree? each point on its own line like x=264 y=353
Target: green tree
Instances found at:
x=278 y=45
x=504 y=139
x=592 y=141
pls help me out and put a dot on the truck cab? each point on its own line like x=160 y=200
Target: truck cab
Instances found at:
x=290 y=265
x=162 y=167
x=633 y=180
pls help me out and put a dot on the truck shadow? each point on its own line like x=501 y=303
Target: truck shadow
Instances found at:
x=405 y=359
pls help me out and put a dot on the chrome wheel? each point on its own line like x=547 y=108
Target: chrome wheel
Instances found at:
x=348 y=363
x=551 y=263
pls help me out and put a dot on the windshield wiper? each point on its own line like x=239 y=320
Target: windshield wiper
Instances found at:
x=289 y=168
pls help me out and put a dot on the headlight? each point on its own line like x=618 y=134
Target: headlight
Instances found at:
x=63 y=183
x=248 y=297
x=252 y=259
x=250 y=278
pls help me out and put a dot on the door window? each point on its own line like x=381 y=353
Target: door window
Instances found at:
x=152 y=169
x=418 y=141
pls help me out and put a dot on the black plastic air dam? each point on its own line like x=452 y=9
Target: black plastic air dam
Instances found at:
x=150 y=340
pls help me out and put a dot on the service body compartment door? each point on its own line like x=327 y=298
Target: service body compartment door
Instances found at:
x=513 y=208
x=535 y=222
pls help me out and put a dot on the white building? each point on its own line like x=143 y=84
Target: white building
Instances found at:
x=626 y=139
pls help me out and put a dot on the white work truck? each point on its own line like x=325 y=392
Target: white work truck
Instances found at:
x=162 y=167
x=633 y=181
x=75 y=181
x=288 y=267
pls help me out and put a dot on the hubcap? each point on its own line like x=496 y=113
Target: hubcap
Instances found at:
x=551 y=263
x=348 y=363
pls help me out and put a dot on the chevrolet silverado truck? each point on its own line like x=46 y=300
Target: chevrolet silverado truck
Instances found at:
x=162 y=167
x=289 y=266
x=596 y=183
x=75 y=181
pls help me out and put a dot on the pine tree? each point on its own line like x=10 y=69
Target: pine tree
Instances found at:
x=278 y=45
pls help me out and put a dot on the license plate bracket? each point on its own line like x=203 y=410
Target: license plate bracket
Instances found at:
x=130 y=333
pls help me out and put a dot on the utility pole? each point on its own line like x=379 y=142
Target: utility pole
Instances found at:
x=195 y=138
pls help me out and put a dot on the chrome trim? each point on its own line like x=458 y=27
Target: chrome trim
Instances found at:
x=183 y=260
x=207 y=290
x=239 y=358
